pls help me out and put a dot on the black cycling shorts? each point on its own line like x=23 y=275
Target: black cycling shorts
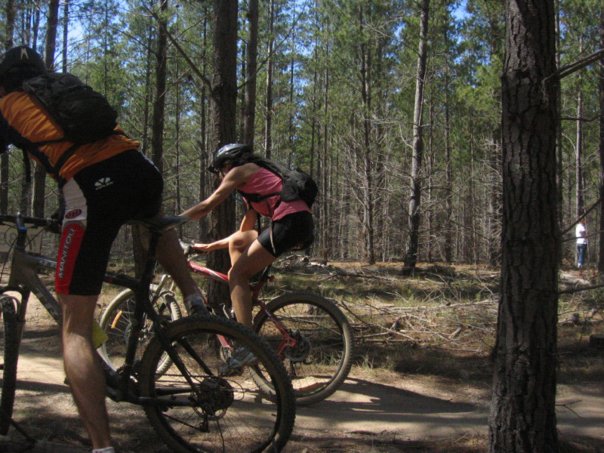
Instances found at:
x=98 y=200
x=292 y=232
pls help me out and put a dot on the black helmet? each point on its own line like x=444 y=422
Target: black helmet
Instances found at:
x=234 y=153
x=21 y=57
x=19 y=64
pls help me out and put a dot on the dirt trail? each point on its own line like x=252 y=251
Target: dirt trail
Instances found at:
x=408 y=409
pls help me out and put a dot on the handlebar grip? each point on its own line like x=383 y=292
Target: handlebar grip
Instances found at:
x=21 y=221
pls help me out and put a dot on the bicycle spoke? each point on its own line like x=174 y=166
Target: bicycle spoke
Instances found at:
x=117 y=321
x=224 y=413
x=316 y=348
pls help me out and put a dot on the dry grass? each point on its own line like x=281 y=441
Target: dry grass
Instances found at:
x=442 y=320
x=440 y=324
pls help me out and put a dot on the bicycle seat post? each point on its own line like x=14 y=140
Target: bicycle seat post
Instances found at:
x=151 y=260
x=156 y=226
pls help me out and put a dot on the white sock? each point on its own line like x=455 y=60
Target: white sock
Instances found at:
x=104 y=450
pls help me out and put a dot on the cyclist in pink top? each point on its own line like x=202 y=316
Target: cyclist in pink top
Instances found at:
x=291 y=221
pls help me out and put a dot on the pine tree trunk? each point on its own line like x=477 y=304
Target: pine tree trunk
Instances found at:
x=523 y=415
x=157 y=128
x=65 y=35
x=365 y=55
x=579 y=196
x=159 y=104
x=322 y=169
x=252 y=67
x=4 y=173
x=224 y=113
x=448 y=175
x=268 y=128
x=418 y=144
x=579 y=200
x=204 y=184
x=148 y=91
x=601 y=92
x=39 y=191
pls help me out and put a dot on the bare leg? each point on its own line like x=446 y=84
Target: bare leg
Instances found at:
x=250 y=261
x=239 y=243
x=171 y=257
x=82 y=367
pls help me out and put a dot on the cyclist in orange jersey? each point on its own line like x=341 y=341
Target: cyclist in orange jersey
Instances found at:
x=104 y=185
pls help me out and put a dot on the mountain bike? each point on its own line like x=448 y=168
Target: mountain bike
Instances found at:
x=197 y=403
x=308 y=332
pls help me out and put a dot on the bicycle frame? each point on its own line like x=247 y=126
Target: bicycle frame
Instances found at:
x=25 y=268
x=24 y=279
x=287 y=340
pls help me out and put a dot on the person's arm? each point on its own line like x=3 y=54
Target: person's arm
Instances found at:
x=216 y=245
x=248 y=222
x=233 y=179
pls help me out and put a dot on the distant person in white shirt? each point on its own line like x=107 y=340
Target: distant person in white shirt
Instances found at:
x=581 y=235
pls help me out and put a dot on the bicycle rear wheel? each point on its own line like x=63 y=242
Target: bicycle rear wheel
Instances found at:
x=10 y=342
x=196 y=407
x=116 y=321
x=321 y=357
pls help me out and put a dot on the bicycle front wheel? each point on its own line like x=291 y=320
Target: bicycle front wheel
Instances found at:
x=313 y=338
x=117 y=320
x=201 y=404
x=10 y=342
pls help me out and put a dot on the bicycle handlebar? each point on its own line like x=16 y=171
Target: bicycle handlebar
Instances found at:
x=20 y=221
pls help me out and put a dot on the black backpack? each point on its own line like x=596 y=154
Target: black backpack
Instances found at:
x=84 y=115
x=297 y=185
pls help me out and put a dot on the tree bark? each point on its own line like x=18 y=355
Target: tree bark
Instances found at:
x=448 y=246
x=159 y=105
x=4 y=168
x=224 y=112
x=601 y=147
x=365 y=55
x=157 y=126
x=268 y=129
x=580 y=199
x=204 y=185
x=65 y=35
x=523 y=416
x=252 y=68
x=39 y=192
x=418 y=144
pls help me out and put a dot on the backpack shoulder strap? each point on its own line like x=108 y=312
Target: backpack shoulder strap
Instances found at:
x=66 y=155
x=270 y=166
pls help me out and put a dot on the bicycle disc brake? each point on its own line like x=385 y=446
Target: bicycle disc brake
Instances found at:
x=301 y=350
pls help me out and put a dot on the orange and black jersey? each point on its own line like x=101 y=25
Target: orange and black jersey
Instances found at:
x=25 y=124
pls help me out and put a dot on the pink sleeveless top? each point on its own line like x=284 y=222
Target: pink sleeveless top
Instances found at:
x=264 y=182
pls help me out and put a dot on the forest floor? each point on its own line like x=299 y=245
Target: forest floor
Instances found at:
x=420 y=383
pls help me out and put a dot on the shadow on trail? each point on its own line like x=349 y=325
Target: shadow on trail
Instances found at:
x=361 y=406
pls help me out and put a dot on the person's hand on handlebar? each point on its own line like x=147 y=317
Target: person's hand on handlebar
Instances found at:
x=216 y=245
x=203 y=248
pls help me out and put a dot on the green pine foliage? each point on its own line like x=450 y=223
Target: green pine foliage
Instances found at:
x=343 y=82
